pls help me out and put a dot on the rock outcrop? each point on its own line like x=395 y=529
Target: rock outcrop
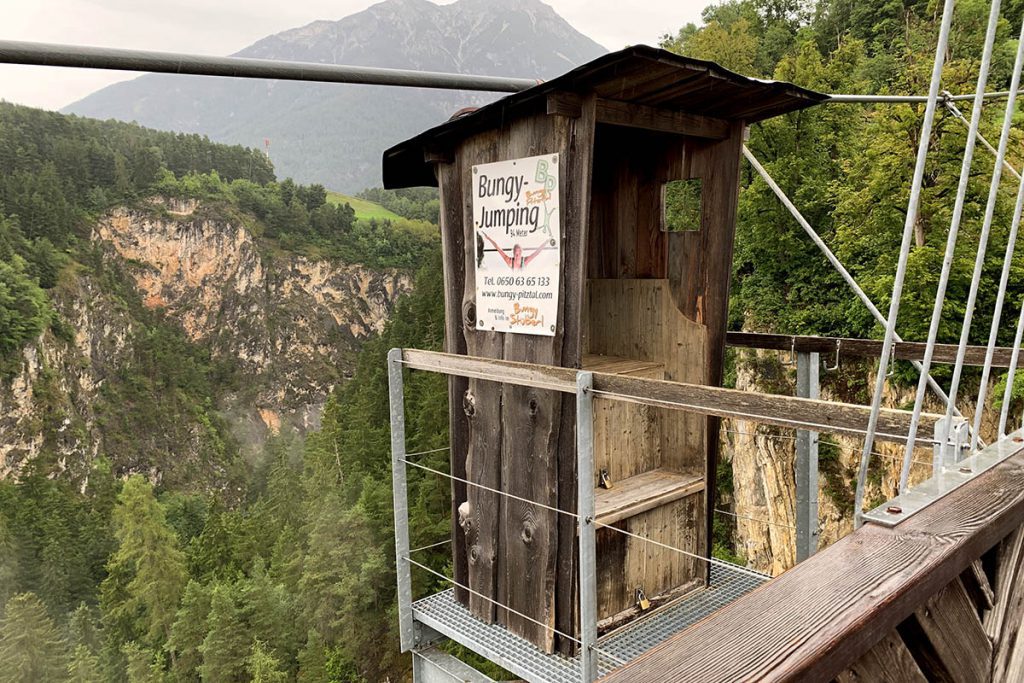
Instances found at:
x=286 y=329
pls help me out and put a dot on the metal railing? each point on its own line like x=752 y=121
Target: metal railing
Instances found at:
x=585 y=385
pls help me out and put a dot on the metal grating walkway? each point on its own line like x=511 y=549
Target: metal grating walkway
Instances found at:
x=442 y=613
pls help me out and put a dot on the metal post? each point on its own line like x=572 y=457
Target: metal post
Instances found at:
x=587 y=537
x=396 y=395
x=807 y=386
x=901 y=266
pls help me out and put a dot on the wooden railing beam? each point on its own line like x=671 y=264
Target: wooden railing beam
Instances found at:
x=862 y=348
x=782 y=411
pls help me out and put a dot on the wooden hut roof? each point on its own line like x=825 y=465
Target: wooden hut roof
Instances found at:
x=639 y=75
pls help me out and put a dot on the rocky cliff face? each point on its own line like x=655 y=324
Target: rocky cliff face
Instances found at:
x=763 y=466
x=283 y=328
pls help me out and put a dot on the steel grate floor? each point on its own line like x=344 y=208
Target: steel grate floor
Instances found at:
x=442 y=613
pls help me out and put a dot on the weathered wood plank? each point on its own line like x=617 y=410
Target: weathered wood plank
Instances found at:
x=1009 y=558
x=820 y=617
x=662 y=120
x=888 y=662
x=784 y=411
x=1008 y=658
x=452 y=256
x=950 y=622
x=579 y=164
x=481 y=405
x=864 y=348
x=630 y=497
x=977 y=585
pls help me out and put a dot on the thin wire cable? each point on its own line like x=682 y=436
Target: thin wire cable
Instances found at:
x=901 y=267
x=492 y=490
x=814 y=426
x=959 y=116
x=1004 y=411
x=433 y=450
x=845 y=449
x=979 y=260
x=755 y=519
x=709 y=560
x=834 y=260
x=954 y=229
x=432 y=545
x=488 y=599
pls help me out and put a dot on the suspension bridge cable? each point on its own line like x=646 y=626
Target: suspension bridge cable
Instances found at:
x=901 y=267
x=959 y=116
x=1004 y=411
x=1004 y=278
x=834 y=260
x=979 y=260
x=954 y=229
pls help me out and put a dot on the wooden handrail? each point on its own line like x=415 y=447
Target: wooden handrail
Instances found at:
x=820 y=617
x=864 y=348
x=783 y=411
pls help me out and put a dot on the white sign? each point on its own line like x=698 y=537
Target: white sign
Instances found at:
x=518 y=237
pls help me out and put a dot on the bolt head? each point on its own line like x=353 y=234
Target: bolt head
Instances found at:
x=894 y=510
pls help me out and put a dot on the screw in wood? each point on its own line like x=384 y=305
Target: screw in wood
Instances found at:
x=894 y=510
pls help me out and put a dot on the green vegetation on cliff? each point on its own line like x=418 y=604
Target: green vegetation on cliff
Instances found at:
x=286 y=572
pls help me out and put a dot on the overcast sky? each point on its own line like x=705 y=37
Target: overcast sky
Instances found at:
x=221 y=27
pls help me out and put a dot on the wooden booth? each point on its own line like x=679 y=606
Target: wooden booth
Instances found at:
x=588 y=222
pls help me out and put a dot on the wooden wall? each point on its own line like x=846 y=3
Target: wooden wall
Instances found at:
x=522 y=440
x=516 y=439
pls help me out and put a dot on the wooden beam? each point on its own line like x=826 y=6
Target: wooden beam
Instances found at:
x=783 y=411
x=888 y=661
x=632 y=115
x=565 y=104
x=863 y=348
x=817 y=619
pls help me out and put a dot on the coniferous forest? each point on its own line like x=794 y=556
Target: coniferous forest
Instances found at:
x=282 y=568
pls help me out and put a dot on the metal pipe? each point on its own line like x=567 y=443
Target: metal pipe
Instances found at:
x=84 y=57
x=400 y=495
x=954 y=230
x=585 y=509
x=119 y=59
x=901 y=267
x=1008 y=391
x=832 y=258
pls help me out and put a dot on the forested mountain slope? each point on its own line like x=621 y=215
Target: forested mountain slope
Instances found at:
x=283 y=570
x=334 y=134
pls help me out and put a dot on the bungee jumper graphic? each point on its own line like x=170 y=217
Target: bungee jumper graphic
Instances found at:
x=516 y=261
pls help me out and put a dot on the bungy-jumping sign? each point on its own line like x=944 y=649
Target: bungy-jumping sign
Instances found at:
x=518 y=237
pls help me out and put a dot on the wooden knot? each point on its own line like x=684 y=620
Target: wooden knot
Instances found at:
x=533 y=406
x=469 y=404
x=527 y=533
x=469 y=314
x=474 y=554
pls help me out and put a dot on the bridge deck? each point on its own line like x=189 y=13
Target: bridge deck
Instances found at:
x=823 y=616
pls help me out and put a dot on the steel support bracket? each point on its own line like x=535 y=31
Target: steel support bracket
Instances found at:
x=904 y=506
x=952 y=443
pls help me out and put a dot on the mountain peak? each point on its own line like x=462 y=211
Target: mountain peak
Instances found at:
x=518 y=38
